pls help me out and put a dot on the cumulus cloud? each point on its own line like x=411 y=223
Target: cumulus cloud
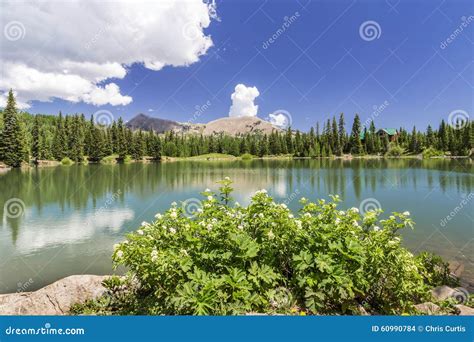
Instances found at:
x=73 y=50
x=243 y=101
x=280 y=118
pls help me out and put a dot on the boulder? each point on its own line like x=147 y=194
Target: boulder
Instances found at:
x=427 y=308
x=443 y=292
x=54 y=299
x=465 y=310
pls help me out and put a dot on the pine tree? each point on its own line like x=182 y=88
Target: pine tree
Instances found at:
x=414 y=144
x=355 y=145
x=36 y=140
x=60 y=148
x=342 y=132
x=120 y=142
x=12 y=139
x=335 y=136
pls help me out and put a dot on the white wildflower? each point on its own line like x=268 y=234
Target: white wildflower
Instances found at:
x=145 y=224
x=307 y=215
x=209 y=227
x=237 y=204
x=207 y=190
x=406 y=213
x=116 y=246
x=271 y=236
x=341 y=212
x=355 y=223
x=290 y=216
x=172 y=231
x=140 y=232
x=337 y=221
x=210 y=198
x=392 y=217
x=298 y=223
x=227 y=178
x=174 y=214
x=240 y=227
x=174 y=204
x=119 y=254
x=261 y=215
x=283 y=205
x=158 y=216
x=376 y=228
x=354 y=209
x=154 y=255
x=185 y=252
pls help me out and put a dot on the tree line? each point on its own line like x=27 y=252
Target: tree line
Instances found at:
x=47 y=137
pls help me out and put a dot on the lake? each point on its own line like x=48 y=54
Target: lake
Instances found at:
x=69 y=218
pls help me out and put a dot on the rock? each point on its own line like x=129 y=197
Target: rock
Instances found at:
x=362 y=310
x=465 y=310
x=456 y=268
x=442 y=292
x=54 y=299
x=427 y=308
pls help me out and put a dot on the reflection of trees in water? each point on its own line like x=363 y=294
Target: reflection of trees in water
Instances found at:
x=81 y=186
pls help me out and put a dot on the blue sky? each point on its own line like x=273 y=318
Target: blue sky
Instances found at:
x=318 y=67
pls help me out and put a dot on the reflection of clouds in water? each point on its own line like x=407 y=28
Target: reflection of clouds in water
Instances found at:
x=71 y=229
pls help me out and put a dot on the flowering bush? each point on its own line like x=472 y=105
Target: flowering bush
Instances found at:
x=230 y=259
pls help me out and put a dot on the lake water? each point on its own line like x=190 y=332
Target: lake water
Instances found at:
x=74 y=215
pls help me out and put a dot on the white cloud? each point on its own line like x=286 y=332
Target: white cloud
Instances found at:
x=243 y=101
x=72 y=49
x=280 y=118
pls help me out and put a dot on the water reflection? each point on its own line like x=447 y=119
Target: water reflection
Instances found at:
x=76 y=213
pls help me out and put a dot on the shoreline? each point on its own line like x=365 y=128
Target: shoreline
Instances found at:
x=166 y=159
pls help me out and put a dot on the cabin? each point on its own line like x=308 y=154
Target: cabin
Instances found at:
x=392 y=134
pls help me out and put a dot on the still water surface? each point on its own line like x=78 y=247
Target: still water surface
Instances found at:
x=74 y=215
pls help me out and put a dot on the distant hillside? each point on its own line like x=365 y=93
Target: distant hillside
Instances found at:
x=240 y=125
x=227 y=125
x=146 y=123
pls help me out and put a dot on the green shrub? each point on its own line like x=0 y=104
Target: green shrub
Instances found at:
x=394 y=150
x=228 y=259
x=434 y=270
x=109 y=159
x=66 y=161
x=246 y=156
x=432 y=152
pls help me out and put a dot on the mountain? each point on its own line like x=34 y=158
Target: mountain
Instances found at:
x=227 y=125
x=238 y=125
x=146 y=123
